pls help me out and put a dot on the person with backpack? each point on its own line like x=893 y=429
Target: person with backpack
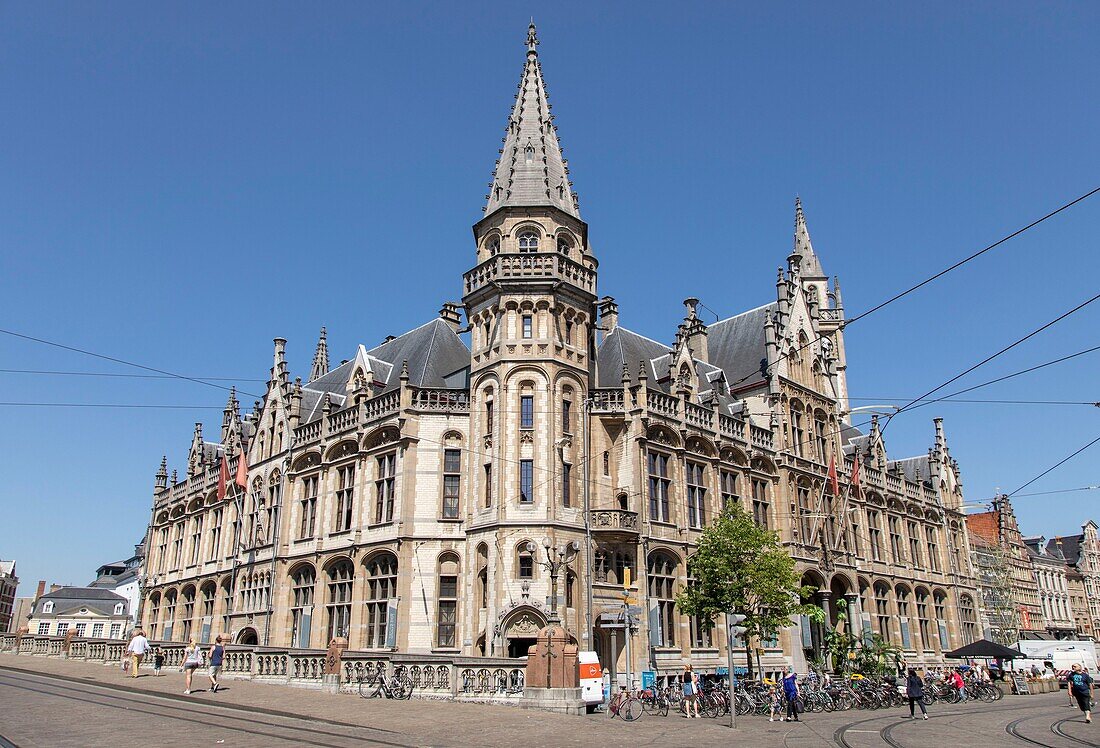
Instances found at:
x=914 y=691
x=1080 y=687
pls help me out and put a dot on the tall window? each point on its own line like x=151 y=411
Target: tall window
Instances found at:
x=696 y=495
x=525 y=562
x=154 y=614
x=569 y=331
x=526 y=481
x=452 y=474
x=566 y=483
x=933 y=548
x=97 y=630
x=188 y=613
x=728 y=485
x=196 y=538
x=488 y=484
x=528 y=242
x=761 y=507
x=308 y=507
x=177 y=547
x=567 y=416
x=819 y=435
x=170 y=614
x=661 y=578
x=80 y=629
x=384 y=487
x=162 y=548
x=345 y=497
x=882 y=609
x=302 y=585
x=227 y=603
x=381 y=590
x=805 y=509
x=798 y=428
x=902 y=594
x=62 y=628
x=607 y=463
x=874 y=531
x=527 y=412
x=658 y=487
x=528 y=326
x=215 y=535
x=340 y=577
x=208 y=592
x=896 y=551
x=969 y=620
x=914 y=544
x=447 y=602
x=924 y=623
x=489 y=417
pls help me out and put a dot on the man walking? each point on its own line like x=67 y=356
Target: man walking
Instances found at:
x=1080 y=686
x=214 y=661
x=136 y=649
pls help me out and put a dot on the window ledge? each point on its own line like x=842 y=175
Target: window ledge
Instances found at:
x=339 y=533
x=661 y=523
x=376 y=525
x=306 y=540
x=450 y=520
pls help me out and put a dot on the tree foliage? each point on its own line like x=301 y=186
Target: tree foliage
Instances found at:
x=739 y=567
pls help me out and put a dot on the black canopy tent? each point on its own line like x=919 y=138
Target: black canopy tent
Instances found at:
x=983 y=648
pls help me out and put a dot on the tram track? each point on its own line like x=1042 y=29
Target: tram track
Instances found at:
x=1056 y=728
x=840 y=736
x=206 y=714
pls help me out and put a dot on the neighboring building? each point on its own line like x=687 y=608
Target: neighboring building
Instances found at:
x=1079 y=604
x=391 y=500
x=1010 y=592
x=9 y=583
x=1049 y=568
x=86 y=611
x=124 y=578
x=1082 y=553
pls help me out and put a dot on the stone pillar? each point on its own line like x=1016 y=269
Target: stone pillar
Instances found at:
x=551 y=682
x=824 y=600
x=330 y=679
x=65 y=645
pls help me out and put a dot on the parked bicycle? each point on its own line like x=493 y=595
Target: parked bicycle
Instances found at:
x=397 y=686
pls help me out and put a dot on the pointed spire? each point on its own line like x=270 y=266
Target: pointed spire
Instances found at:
x=320 y=358
x=531 y=170
x=162 y=473
x=809 y=264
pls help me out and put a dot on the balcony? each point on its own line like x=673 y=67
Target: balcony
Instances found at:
x=613 y=521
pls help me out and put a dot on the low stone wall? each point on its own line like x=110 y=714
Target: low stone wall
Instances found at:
x=482 y=679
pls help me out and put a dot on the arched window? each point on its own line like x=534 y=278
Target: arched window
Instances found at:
x=227 y=602
x=208 y=592
x=493 y=245
x=798 y=428
x=819 y=436
x=447 y=601
x=564 y=245
x=483 y=576
x=302 y=583
x=528 y=242
x=169 y=614
x=120 y=608
x=452 y=477
x=882 y=609
x=154 y=615
x=570 y=589
x=924 y=622
x=969 y=619
x=188 y=613
x=805 y=511
x=661 y=578
x=902 y=594
x=340 y=576
x=381 y=591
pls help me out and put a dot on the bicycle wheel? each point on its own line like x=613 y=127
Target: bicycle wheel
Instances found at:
x=364 y=689
x=631 y=710
x=650 y=704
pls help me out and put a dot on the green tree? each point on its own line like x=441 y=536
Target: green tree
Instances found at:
x=739 y=567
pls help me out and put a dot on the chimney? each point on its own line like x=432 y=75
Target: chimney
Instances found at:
x=609 y=313
x=41 y=589
x=449 y=314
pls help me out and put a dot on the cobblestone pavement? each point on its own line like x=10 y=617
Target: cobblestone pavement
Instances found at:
x=49 y=702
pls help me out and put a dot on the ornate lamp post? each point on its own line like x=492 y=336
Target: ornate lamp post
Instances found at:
x=557 y=557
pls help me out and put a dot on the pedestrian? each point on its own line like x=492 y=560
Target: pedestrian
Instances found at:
x=214 y=660
x=192 y=658
x=960 y=686
x=914 y=690
x=774 y=704
x=1035 y=671
x=790 y=691
x=158 y=660
x=689 y=683
x=136 y=649
x=1080 y=685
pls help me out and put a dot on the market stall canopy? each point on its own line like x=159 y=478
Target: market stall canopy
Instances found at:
x=984 y=648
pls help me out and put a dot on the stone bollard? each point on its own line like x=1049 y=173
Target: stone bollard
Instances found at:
x=330 y=679
x=551 y=682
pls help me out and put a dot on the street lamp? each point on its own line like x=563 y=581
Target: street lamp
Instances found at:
x=557 y=557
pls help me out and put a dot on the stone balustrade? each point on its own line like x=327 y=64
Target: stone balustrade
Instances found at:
x=608 y=401
x=762 y=438
x=448 y=401
x=496 y=679
x=618 y=520
x=538 y=266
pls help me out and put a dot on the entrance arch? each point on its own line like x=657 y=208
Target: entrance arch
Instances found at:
x=247 y=636
x=520 y=629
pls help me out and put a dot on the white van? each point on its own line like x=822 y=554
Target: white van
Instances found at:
x=1062 y=653
x=591 y=678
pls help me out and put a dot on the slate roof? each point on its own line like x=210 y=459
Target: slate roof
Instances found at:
x=737 y=345
x=1070 y=547
x=69 y=599
x=915 y=469
x=624 y=346
x=437 y=357
x=531 y=170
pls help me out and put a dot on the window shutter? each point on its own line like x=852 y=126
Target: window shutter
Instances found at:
x=807 y=632
x=655 y=634
x=205 y=636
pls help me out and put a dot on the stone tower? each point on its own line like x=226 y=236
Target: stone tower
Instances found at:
x=531 y=302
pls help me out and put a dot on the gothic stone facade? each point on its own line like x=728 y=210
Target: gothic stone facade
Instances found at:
x=392 y=499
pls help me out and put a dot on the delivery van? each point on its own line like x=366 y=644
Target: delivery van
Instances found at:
x=591 y=678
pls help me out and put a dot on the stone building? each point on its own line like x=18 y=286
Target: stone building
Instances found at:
x=1010 y=592
x=1082 y=554
x=124 y=578
x=402 y=498
x=9 y=583
x=1050 y=570
x=84 y=611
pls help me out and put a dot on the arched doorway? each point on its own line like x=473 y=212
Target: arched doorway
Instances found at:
x=247 y=636
x=520 y=630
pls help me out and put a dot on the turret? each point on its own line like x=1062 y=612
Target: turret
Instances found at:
x=161 y=480
x=320 y=358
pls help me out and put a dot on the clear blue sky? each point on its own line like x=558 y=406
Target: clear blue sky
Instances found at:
x=181 y=183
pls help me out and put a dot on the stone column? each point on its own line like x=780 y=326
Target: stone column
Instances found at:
x=823 y=598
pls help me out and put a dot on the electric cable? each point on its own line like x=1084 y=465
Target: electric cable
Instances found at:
x=1053 y=467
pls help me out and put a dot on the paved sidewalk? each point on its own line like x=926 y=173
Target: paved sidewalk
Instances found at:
x=442 y=723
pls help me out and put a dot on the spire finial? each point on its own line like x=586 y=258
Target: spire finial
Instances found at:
x=320 y=358
x=532 y=39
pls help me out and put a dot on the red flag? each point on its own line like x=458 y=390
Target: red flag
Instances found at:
x=223 y=478
x=834 y=483
x=242 y=469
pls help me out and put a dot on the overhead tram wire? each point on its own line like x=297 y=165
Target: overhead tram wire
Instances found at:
x=123 y=376
x=1053 y=467
x=1061 y=490
x=986 y=360
x=113 y=359
x=901 y=294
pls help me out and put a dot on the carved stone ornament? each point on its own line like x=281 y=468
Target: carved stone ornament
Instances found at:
x=524 y=625
x=526 y=437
